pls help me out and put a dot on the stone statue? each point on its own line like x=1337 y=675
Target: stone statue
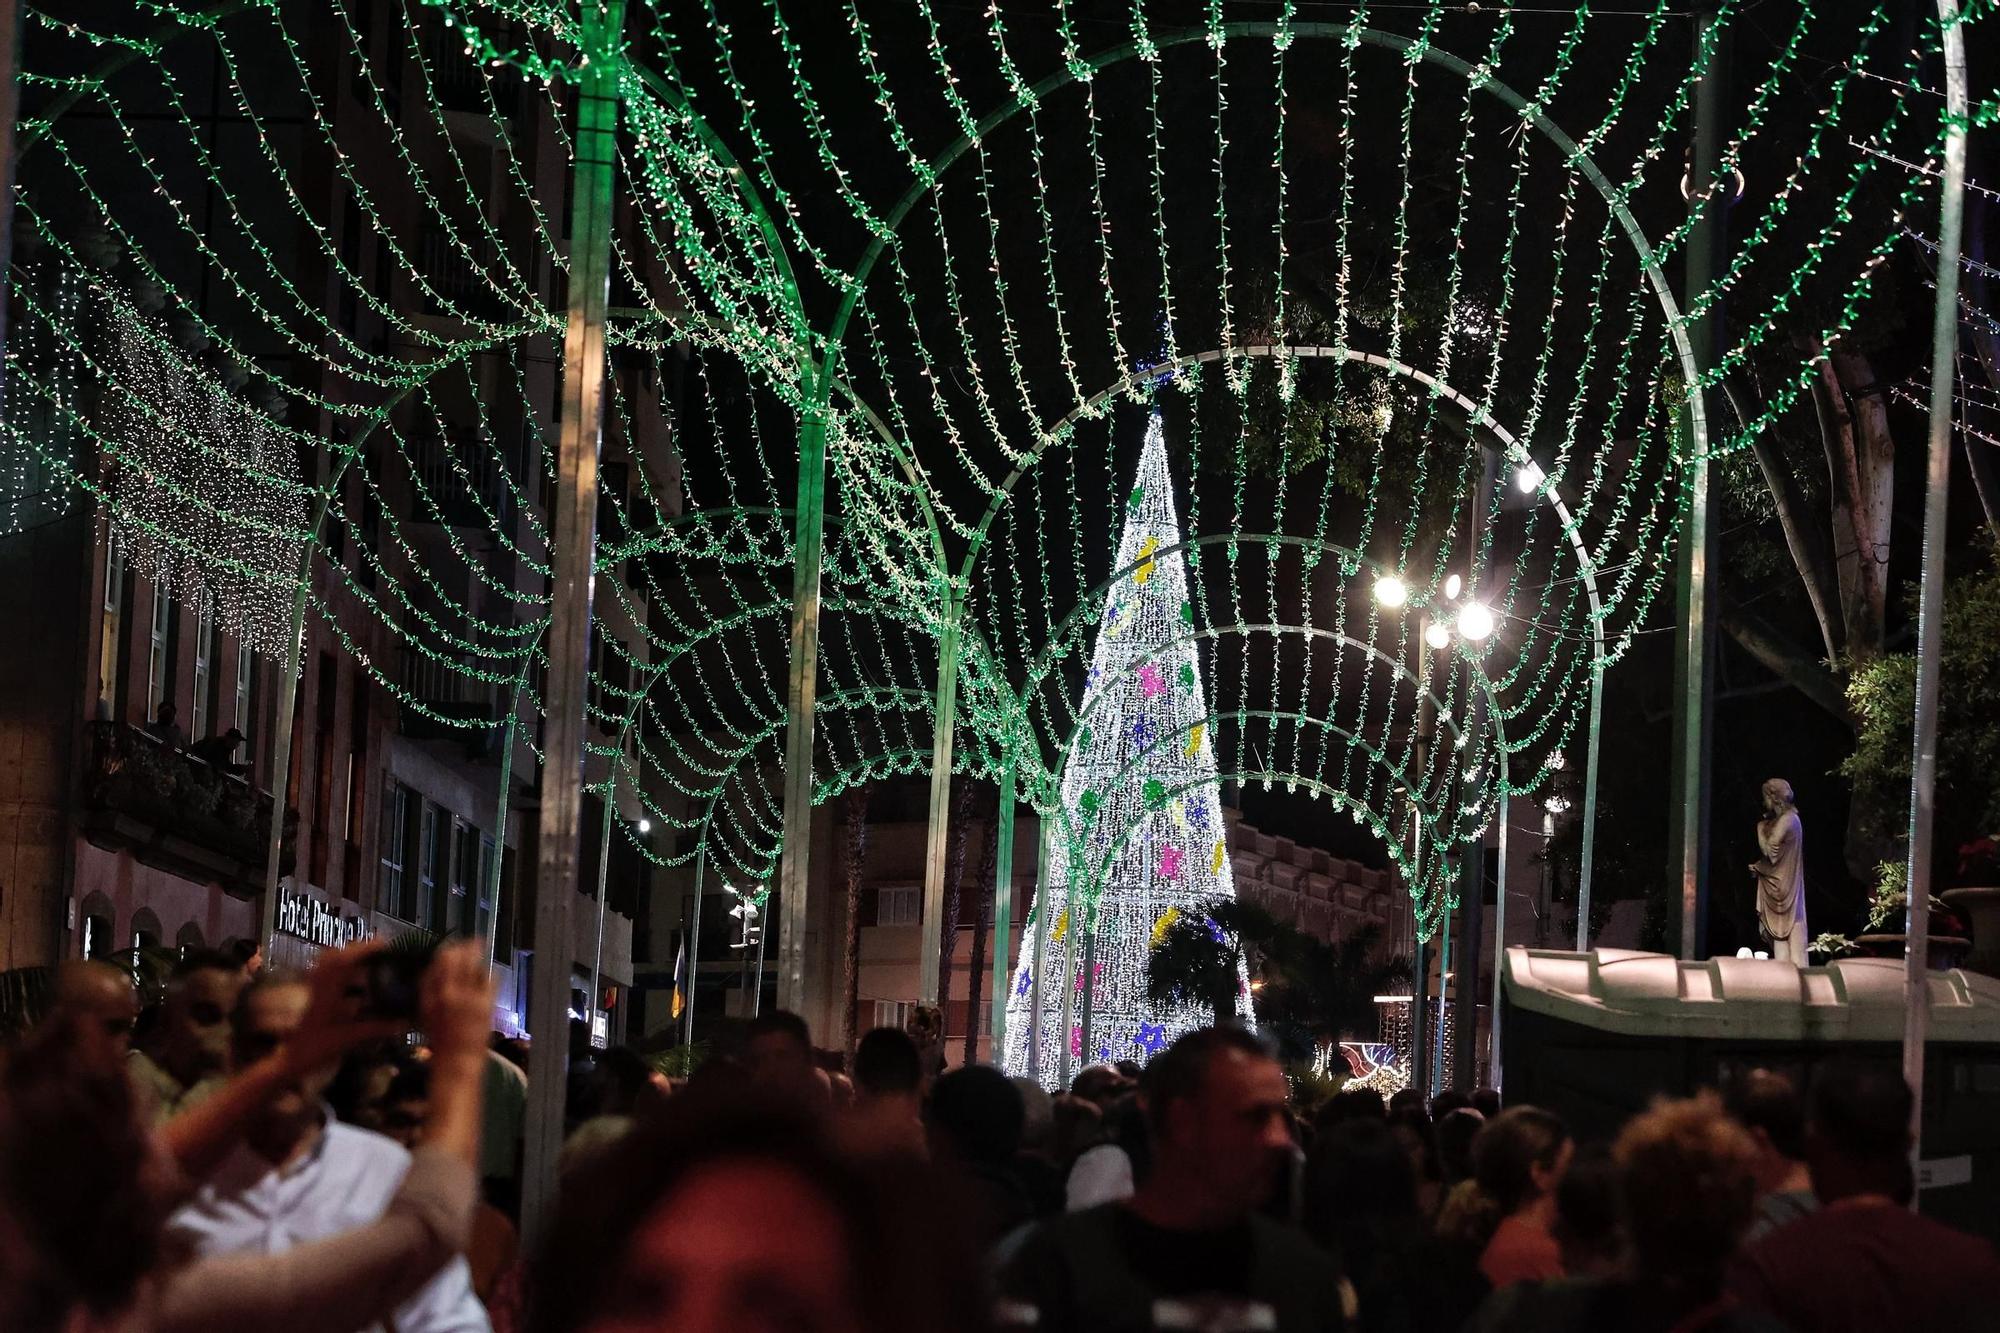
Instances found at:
x=1781 y=875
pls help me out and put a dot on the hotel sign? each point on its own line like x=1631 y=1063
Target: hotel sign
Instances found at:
x=302 y=915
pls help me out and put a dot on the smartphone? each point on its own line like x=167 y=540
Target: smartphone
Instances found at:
x=395 y=979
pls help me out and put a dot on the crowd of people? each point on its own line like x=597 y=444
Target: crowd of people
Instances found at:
x=273 y=1155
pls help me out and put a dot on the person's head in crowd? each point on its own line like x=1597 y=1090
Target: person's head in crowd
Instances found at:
x=718 y=1214
x=1359 y=1188
x=1520 y=1156
x=887 y=1067
x=1858 y=1132
x=511 y=1049
x=1215 y=1104
x=843 y=1090
x=626 y=1083
x=777 y=1049
x=1130 y=1070
x=1102 y=1084
x=1413 y=1132
x=360 y=1087
x=1689 y=1193
x=1038 y=1123
x=79 y=1211
x=1451 y=1099
x=102 y=1007
x=193 y=1040
x=1769 y=1108
x=270 y=1011
x=1589 y=1225
x=1075 y=1124
x=1351 y=1104
x=248 y=956
x=1455 y=1134
x=1404 y=1098
x=1486 y=1101
x=406 y=1104
x=975 y=1116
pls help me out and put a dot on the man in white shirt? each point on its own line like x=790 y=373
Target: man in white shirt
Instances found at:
x=300 y=1175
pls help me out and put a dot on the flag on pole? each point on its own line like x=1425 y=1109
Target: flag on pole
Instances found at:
x=680 y=977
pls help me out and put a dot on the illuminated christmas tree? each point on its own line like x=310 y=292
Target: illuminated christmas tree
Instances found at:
x=1145 y=839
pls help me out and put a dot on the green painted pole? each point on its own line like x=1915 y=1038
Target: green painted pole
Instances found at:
x=572 y=559
x=794 y=865
x=1003 y=912
x=930 y=960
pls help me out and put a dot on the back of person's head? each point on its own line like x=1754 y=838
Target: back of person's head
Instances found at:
x=1455 y=1135
x=746 y=1208
x=1589 y=1225
x=625 y=1081
x=1099 y=1083
x=977 y=1113
x=1451 y=1099
x=1689 y=1191
x=1075 y=1124
x=79 y=1218
x=1858 y=1131
x=781 y=1024
x=1514 y=1151
x=1180 y=1072
x=1038 y=1125
x=886 y=1064
x=1413 y=1130
x=1351 y=1104
x=1358 y=1183
x=1486 y=1101
x=1131 y=1070
x=1769 y=1106
x=1405 y=1097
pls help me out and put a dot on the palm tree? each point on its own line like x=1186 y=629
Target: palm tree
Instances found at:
x=855 y=859
x=1197 y=957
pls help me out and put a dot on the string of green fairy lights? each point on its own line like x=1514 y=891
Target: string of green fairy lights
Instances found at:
x=979 y=246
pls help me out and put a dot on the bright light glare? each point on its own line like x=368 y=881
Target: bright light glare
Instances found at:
x=1529 y=477
x=1390 y=592
x=1437 y=635
x=1475 y=622
x=1556 y=761
x=1452 y=587
x=645 y=824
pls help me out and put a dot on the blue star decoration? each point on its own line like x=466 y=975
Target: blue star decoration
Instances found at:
x=1104 y=1053
x=1021 y=986
x=1152 y=1038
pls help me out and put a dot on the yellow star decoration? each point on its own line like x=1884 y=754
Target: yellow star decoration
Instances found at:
x=1164 y=924
x=1144 y=570
x=1194 y=738
x=1221 y=853
x=1062 y=927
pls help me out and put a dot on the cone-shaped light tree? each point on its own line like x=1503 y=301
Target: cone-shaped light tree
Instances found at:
x=1139 y=841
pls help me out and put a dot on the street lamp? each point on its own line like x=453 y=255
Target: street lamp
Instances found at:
x=1390 y=591
x=1438 y=635
x=1475 y=622
x=645 y=824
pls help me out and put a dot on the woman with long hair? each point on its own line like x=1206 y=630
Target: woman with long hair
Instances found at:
x=1508 y=1215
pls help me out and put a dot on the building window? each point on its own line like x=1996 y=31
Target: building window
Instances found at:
x=111 y=648
x=430 y=868
x=482 y=920
x=204 y=654
x=158 y=663
x=892 y=1013
x=899 y=907
x=246 y=674
x=391 y=892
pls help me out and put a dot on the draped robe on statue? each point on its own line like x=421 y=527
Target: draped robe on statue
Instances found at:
x=1781 y=886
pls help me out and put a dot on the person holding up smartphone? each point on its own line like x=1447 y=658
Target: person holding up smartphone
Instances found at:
x=302 y=1222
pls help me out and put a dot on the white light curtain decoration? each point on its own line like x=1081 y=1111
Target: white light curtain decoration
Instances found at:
x=1144 y=841
x=203 y=491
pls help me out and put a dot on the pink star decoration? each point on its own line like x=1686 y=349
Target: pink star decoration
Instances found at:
x=1151 y=683
x=1170 y=863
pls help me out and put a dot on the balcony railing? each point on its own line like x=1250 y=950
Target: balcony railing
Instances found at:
x=177 y=812
x=446 y=695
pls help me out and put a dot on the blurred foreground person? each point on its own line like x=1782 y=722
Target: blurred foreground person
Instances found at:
x=1688 y=1191
x=192 y=1042
x=725 y=1214
x=1864 y=1261
x=1189 y=1249
x=101 y=1006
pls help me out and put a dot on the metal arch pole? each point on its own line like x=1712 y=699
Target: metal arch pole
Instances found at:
x=1003 y=912
x=1930 y=601
x=930 y=960
x=1493 y=1070
x=1589 y=801
x=572 y=561
x=603 y=878
x=500 y=830
x=1039 y=914
x=694 y=934
x=794 y=866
